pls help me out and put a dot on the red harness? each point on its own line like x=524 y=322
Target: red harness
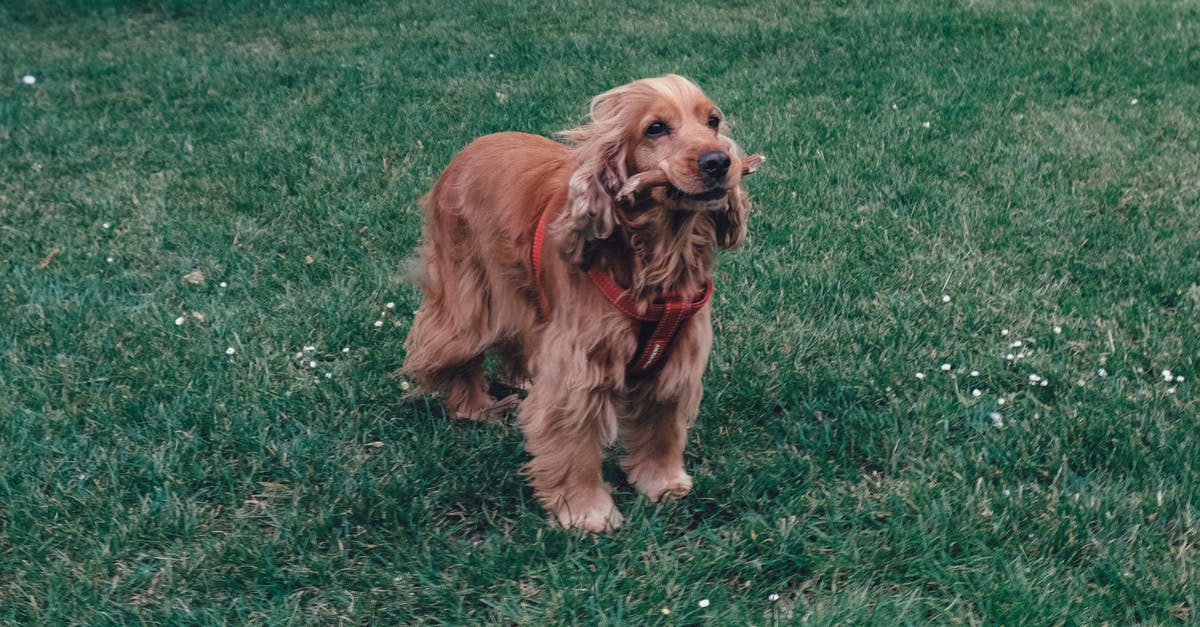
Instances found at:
x=659 y=324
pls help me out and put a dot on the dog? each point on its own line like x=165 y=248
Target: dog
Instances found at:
x=586 y=268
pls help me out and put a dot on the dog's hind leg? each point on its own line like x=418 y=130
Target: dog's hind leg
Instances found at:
x=514 y=371
x=449 y=335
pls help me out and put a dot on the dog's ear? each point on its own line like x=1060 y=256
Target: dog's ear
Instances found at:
x=731 y=221
x=599 y=150
x=590 y=214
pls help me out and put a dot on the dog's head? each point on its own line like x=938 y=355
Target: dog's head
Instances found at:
x=666 y=131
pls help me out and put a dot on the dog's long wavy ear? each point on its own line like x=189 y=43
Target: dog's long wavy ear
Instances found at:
x=730 y=223
x=599 y=149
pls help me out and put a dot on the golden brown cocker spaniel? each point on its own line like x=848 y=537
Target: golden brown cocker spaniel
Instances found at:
x=586 y=269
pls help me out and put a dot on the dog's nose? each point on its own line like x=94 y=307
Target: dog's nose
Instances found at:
x=714 y=163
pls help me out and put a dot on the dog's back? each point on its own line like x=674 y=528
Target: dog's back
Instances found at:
x=475 y=268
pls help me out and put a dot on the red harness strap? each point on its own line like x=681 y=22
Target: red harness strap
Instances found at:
x=539 y=242
x=667 y=314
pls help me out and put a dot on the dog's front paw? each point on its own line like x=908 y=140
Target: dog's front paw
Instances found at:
x=595 y=514
x=657 y=482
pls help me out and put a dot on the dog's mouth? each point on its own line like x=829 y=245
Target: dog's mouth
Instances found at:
x=651 y=179
x=676 y=194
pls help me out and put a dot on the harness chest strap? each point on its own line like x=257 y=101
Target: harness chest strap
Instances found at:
x=668 y=313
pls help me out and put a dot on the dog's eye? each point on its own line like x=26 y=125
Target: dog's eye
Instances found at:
x=657 y=129
x=714 y=121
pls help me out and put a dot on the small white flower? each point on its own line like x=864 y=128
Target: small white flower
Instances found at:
x=946 y=367
x=976 y=393
x=1171 y=390
x=703 y=603
x=920 y=375
x=1016 y=344
x=224 y=284
x=328 y=375
x=1102 y=372
x=974 y=373
x=1003 y=331
x=1133 y=102
x=1057 y=330
x=491 y=56
x=378 y=323
x=312 y=364
x=230 y=351
x=29 y=79
x=772 y=597
x=997 y=419
x=945 y=298
x=390 y=305
x=1179 y=379
x=108 y=259
x=1167 y=376
x=1000 y=401
x=1007 y=492
x=106 y=225
x=404 y=385
x=346 y=349
x=924 y=124
x=1044 y=383
x=180 y=320
x=1010 y=357
x=1033 y=378
x=309 y=349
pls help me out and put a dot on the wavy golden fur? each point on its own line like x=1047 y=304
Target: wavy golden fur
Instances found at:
x=480 y=292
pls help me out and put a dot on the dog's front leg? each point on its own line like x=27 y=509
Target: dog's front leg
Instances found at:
x=654 y=436
x=569 y=418
x=661 y=408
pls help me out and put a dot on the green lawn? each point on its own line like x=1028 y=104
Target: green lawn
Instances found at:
x=946 y=179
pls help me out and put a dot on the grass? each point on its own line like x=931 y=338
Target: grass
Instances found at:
x=1035 y=162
